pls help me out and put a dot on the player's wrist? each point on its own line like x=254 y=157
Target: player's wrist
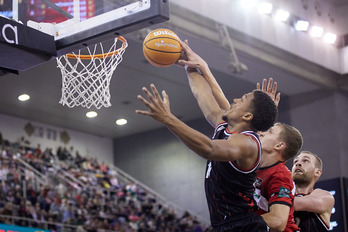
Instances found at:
x=191 y=69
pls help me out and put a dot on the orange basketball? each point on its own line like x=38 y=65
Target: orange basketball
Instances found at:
x=162 y=47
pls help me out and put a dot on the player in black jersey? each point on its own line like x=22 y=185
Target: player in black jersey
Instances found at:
x=273 y=195
x=312 y=207
x=234 y=153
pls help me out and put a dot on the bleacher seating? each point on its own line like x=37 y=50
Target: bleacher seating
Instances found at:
x=62 y=192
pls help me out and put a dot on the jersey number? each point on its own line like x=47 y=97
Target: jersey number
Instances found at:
x=208 y=170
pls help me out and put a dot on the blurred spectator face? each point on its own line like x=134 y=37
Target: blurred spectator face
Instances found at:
x=8 y=206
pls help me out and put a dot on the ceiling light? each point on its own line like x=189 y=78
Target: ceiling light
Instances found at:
x=330 y=38
x=91 y=114
x=282 y=15
x=121 y=121
x=248 y=3
x=301 y=25
x=23 y=97
x=316 y=31
x=265 y=8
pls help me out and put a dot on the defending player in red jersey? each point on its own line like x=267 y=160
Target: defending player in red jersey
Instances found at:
x=274 y=189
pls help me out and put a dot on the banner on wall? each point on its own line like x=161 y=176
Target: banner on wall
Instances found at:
x=8 y=228
x=45 y=132
x=334 y=186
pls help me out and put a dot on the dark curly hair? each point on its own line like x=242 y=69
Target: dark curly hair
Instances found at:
x=264 y=110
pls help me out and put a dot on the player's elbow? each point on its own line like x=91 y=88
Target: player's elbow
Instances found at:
x=325 y=205
x=279 y=225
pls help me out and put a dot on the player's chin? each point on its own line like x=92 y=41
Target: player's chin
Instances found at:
x=297 y=176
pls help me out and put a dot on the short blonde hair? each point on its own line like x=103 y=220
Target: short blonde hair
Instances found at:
x=318 y=161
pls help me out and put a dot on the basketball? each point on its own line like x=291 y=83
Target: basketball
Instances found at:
x=162 y=47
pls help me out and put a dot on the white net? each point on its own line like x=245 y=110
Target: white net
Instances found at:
x=86 y=78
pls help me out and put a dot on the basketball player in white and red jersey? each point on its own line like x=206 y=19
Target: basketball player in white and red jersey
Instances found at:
x=312 y=206
x=234 y=153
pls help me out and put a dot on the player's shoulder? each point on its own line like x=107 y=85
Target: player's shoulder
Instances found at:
x=282 y=171
x=247 y=139
x=322 y=192
x=279 y=166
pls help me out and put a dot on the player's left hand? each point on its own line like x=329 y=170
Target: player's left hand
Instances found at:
x=158 y=108
x=270 y=90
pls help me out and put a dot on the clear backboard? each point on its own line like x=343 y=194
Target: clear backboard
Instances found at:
x=33 y=31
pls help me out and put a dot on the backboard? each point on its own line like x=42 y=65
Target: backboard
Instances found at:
x=64 y=26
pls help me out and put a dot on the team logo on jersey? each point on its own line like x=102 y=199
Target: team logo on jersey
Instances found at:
x=257 y=182
x=284 y=192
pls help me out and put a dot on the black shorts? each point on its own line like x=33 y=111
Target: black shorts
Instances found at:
x=250 y=222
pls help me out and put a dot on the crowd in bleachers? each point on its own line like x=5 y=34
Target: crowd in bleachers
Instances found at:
x=99 y=203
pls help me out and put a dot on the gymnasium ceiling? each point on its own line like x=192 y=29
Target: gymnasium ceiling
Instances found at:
x=294 y=75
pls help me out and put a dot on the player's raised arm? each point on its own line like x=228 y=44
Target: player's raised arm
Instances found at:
x=199 y=65
x=204 y=86
x=205 y=98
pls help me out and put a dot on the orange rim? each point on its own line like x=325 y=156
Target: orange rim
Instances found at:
x=100 y=56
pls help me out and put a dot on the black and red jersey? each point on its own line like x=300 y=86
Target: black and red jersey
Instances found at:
x=274 y=185
x=229 y=189
x=309 y=221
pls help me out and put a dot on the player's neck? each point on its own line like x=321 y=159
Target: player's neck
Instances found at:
x=268 y=159
x=239 y=127
x=304 y=188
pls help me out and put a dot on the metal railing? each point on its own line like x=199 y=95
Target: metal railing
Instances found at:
x=162 y=200
x=122 y=176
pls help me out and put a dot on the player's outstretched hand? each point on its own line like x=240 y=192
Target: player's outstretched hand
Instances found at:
x=189 y=58
x=158 y=108
x=271 y=89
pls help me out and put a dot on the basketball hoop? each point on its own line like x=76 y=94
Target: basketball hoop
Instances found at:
x=86 y=77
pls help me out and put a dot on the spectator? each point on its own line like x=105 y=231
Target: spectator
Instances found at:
x=55 y=207
x=96 y=209
x=31 y=194
x=7 y=211
x=3 y=172
x=21 y=152
x=17 y=198
x=22 y=210
x=29 y=155
x=69 y=214
x=38 y=150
